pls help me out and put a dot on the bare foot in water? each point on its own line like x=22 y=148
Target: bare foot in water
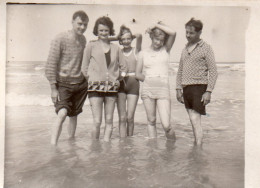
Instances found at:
x=170 y=134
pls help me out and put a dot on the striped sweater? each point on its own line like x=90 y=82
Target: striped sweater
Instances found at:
x=65 y=59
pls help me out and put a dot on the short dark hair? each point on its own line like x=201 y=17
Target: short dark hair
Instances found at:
x=83 y=16
x=123 y=30
x=197 y=24
x=104 y=21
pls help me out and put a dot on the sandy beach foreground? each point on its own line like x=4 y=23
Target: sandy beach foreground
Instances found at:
x=30 y=160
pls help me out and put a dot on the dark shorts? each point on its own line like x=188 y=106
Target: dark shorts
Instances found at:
x=192 y=95
x=101 y=94
x=130 y=85
x=72 y=97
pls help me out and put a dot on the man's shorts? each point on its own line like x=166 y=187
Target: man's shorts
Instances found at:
x=130 y=85
x=72 y=97
x=192 y=95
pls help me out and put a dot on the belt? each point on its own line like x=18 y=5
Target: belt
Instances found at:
x=130 y=74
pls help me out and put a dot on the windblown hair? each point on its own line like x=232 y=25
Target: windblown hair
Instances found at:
x=197 y=24
x=123 y=30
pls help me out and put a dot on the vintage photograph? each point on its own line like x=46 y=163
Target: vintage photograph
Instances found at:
x=127 y=96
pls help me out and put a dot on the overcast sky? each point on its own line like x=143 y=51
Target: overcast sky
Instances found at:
x=30 y=28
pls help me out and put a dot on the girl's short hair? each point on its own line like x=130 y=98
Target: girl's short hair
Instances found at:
x=197 y=24
x=158 y=33
x=123 y=30
x=104 y=21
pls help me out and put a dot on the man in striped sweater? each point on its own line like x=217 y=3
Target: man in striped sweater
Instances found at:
x=63 y=71
x=197 y=75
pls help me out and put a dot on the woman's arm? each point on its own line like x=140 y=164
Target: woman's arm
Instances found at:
x=122 y=64
x=172 y=35
x=86 y=60
x=139 y=68
x=113 y=38
x=138 y=38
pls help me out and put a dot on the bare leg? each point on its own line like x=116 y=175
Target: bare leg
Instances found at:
x=96 y=104
x=195 y=119
x=164 y=108
x=131 y=106
x=121 y=108
x=57 y=127
x=72 y=127
x=110 y=103
x=150 y=108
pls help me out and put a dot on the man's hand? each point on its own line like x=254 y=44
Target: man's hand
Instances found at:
x=206 y=98
x=54 y=94
x=179 y=96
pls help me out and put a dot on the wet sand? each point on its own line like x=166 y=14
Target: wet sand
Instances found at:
x=30 y=160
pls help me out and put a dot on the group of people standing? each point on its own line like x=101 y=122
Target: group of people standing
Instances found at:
x=111 y=76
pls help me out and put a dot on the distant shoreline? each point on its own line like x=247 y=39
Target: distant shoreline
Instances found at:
x=170 y=62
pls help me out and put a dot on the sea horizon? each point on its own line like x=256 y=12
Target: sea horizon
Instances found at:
x=173 y=62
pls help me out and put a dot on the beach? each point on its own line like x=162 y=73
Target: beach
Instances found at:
x=30 y=160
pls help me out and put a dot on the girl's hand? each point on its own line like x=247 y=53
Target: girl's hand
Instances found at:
x=161 y=23
x=149 y=29
x=122 y=76
x=93 y=40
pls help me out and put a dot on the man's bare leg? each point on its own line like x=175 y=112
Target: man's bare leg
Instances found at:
x=72 y=127
x=195 y=119
x=57 y=127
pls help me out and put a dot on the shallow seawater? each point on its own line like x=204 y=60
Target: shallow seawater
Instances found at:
x=30 y=160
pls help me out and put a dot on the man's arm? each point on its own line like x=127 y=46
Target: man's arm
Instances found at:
x=212 y=76
x=179 y=94
x=86 y=59
x=51 y=68
x=212 y=70
x=139 y=68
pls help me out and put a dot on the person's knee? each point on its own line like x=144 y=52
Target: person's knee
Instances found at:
x=152 y=120
x=122 y=117
x=130 y=119
x=109 y=120
x=62 y=113
x=166 y=124
x=97 y=122
x=194 y=115
x=167 y=128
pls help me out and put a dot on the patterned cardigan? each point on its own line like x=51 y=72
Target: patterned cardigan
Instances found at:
x=197 y=67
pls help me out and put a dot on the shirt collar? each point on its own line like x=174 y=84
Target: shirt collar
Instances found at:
x=200 y=43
